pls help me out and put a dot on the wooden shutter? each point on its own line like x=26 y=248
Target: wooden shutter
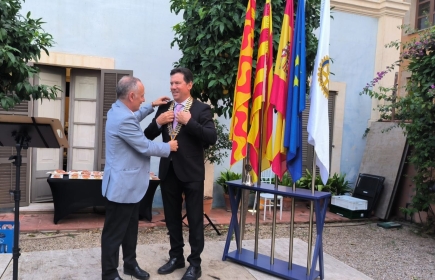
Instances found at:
x=109 y=79
x=331 y=110
x=8 y=170
x=19 y=109
x=307 y=149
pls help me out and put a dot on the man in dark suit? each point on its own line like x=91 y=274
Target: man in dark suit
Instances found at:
x=126 y=176
x=191 y=123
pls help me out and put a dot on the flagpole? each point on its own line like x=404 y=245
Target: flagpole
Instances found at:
x=260 y=156
x=292 y=228
x=310 y=230
x=260 y=159
x=263 y=97
x=246 y=170
x=257 y=224
x=257 y=210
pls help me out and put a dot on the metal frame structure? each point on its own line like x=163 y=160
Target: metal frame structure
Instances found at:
x=268 y=264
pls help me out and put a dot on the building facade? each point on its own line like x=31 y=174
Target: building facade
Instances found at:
x=98 y=41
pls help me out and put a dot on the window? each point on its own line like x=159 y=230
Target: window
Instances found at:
x=425 y=16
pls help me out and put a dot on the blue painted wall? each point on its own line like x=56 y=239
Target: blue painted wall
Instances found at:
x=353 y=50
x=136 y=33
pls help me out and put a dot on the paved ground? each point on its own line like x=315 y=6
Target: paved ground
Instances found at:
x=85 y=263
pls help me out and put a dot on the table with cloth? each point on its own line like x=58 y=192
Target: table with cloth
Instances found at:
x=71 y=195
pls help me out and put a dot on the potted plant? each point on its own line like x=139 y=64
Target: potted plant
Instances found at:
x=305 y=183
x=338 y=185
x=226 y=176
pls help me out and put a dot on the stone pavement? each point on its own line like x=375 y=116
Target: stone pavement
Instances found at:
x=85 y=263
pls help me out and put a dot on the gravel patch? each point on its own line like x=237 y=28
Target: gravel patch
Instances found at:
x=377 y=252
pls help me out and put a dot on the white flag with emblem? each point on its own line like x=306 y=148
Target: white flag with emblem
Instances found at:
x=318 y=123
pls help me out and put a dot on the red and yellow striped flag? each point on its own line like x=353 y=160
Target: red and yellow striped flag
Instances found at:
x=242 y=92
x=279 y=89
x=262 y=88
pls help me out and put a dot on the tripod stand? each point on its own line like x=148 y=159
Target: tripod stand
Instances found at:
x=23 y=132
x=209 y=223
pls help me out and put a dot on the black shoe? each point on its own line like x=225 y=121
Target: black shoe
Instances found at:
x=171 y=265
x=117 y=278
x=192 y=273
x=137 y=273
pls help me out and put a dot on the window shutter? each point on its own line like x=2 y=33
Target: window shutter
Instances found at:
x=7 y=183
x=109 y=79
x=19 y=109
x=331 y=109
x=307 y=149
x=8 y=170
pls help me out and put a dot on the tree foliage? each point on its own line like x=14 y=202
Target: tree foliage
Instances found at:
x=415 y=112
x=219 y=151
x=209 y=38
x=21 y=40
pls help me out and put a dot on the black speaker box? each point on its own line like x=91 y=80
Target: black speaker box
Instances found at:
x=369 y=187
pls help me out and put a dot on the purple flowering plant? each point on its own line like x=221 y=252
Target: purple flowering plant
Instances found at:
x=415 y=111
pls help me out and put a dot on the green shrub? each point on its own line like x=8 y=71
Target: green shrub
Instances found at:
x=226 y=176
x=336 y=185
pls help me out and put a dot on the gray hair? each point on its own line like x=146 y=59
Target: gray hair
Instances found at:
x=126 y=85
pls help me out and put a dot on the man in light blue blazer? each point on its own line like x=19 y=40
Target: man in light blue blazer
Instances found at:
x=126 y=176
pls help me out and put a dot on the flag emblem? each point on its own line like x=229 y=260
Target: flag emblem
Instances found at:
x=285 y=57
x=323 y=75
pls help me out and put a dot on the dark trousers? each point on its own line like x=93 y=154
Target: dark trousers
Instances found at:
x=172 y=190
x=120 y=228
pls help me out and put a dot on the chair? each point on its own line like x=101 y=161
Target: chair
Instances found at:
x=266 y=177
x=268 y=202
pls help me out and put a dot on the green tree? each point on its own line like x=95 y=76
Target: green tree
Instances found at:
x=21 y=40
x=210 y=36
x=219 y=151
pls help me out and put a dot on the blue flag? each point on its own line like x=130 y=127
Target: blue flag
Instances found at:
x=296 y=97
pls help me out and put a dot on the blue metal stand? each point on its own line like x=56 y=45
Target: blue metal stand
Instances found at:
x=279 y=268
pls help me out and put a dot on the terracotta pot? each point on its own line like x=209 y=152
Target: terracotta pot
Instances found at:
x=208 y=201
x=261 y=206
x=227 y=202
x=286 y=203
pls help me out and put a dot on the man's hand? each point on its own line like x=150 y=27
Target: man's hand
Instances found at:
x=183 y=117
x=174 y=145
x=164 y=118
x=160 y=101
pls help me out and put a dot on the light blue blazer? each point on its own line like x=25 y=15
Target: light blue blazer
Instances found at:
x=128 y=152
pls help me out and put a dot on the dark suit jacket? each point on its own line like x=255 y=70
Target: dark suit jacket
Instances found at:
x=197 y=134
